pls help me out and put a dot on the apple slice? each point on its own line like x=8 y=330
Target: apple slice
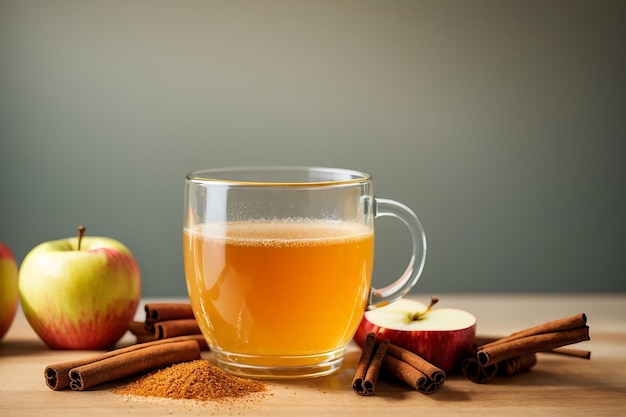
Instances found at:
x=443 y=336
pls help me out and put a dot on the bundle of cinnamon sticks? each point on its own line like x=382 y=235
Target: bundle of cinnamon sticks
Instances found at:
x=165 y=320
x=174 y=340
x=516 y=353
x=397 y=361
x=88 y=372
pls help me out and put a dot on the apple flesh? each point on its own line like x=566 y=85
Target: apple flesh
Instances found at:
x=444 y=336
x=80 y=293
x=8 y=288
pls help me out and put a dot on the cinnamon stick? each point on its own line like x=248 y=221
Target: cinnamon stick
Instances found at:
x=138 y=329
x=131 y=363
x=57 y=375
x=567 y=323
x=402 y=363
x=410 y=375
x=499 y=351
x=371 y=377
x=477 y=373
x=480 y=341
x=431 y=371
x=172 y=328
x=405 y=372
x=156 y=312
x=515 y=353
x=518 y=364
x=575 y=353
x=362 y=383
x=413 y=370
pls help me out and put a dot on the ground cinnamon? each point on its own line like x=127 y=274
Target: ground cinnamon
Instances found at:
x=57 y=376
x=197 y=380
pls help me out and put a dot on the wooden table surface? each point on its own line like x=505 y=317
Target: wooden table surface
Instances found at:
x=555 y=386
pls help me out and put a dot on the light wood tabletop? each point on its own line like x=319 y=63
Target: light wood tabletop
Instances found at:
x=557 y=385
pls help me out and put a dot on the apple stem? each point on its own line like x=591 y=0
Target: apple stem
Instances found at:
x=81 y=232
x=420 y=315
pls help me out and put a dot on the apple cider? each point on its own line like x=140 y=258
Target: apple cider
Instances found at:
x=264 y=289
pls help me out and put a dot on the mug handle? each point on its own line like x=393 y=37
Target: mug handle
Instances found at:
x=399 y=288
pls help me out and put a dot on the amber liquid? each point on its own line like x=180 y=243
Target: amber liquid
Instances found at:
x=281 y=288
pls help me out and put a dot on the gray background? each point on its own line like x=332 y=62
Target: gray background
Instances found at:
x=501 y=123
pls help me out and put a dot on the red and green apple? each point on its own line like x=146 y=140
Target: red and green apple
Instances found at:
x=80 y=292
x=8 y=288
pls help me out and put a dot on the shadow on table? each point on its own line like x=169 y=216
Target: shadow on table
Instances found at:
x=21 y=347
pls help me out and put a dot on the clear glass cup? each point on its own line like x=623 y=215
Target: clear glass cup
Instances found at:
x=278 y=264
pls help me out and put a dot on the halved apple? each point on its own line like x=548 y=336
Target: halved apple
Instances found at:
x=443 y=336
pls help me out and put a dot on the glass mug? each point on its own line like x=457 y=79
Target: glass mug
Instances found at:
x=278 y=264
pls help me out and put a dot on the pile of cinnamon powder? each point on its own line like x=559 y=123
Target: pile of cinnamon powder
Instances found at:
x=197 y=380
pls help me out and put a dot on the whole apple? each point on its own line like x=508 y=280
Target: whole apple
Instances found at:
x=80 y=292
x=444 y=337
x=8 y=289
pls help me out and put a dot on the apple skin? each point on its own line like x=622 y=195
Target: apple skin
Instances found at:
x=9 y=296
x=445 y=349
x=80 y=299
